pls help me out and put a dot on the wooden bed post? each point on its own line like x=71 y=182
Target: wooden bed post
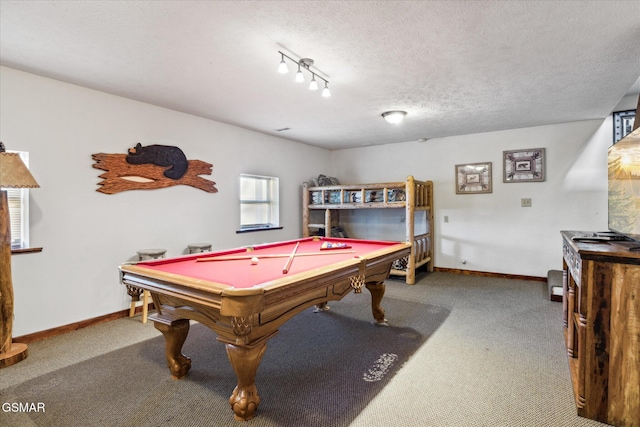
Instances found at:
x=305 y=210
x=431 y=226
x=327 y=223
x=410 y=218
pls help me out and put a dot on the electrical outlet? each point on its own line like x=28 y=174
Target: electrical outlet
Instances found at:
x=525 y=203
x=446 y=218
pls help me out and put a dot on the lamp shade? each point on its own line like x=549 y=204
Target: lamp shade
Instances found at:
x=13 y=172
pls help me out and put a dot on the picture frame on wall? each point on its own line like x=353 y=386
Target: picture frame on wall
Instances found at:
x=622 y=124
x=524 y=165
x=474 y=178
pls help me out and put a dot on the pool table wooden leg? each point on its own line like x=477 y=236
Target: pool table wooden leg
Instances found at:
x=175 y=333
x=245 y=360
x=377 y=292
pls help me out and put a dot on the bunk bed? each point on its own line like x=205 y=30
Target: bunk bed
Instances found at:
x=411 y=195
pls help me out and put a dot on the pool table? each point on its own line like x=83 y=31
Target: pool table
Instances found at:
x=245 y=294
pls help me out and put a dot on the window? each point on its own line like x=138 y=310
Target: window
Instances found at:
x=259 y=202
x=622 y=124
x=19 y=210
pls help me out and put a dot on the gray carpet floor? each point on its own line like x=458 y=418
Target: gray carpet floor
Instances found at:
x=321 y=370
x=497 y=360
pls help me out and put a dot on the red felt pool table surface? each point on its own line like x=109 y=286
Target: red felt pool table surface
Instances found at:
x=241 y=273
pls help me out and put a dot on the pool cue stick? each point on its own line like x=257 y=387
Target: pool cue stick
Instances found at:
x=239 y=257
x=287 y=266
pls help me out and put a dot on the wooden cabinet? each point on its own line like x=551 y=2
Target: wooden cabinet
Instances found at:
x=601 y=319
x=411 y=195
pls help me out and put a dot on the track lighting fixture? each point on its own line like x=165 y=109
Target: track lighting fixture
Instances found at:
x=304 y=63
x=394 y=117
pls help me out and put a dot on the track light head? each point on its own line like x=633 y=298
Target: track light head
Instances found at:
x=282 y=68
x=326 y=92
x=299 y=76
x=313 y=85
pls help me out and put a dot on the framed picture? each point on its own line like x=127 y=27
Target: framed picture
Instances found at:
x=524 y=165
x=473 y=178
x=622 y=124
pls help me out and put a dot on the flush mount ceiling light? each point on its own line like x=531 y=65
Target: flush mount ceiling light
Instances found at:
x=394 y=117
x=304 y=64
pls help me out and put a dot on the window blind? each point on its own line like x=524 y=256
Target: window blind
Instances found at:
x=18 y=199
x=15 y=214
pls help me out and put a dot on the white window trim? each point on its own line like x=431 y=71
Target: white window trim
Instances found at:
x=273 y=198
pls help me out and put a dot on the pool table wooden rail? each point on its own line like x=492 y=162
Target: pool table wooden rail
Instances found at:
x=271 y=304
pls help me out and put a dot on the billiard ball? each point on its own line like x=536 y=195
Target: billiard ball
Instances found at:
x=254 y=260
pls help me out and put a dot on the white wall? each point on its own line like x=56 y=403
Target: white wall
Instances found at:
x=86 y=234
x=492 y=232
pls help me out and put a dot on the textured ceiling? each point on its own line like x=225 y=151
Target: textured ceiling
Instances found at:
x=456 y=67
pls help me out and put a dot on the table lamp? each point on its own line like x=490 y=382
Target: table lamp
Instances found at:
x=13 y=174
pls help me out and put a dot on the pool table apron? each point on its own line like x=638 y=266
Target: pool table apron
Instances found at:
x=244 y=319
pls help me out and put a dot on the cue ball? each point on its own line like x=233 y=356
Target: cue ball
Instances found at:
x=254 y=260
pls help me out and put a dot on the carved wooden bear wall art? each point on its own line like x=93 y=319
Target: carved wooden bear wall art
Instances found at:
x=161 y=155
x=150 y=167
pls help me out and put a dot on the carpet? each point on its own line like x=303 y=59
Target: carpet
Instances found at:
x=320 y=370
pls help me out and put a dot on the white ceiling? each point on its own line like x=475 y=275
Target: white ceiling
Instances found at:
x=456 y=67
